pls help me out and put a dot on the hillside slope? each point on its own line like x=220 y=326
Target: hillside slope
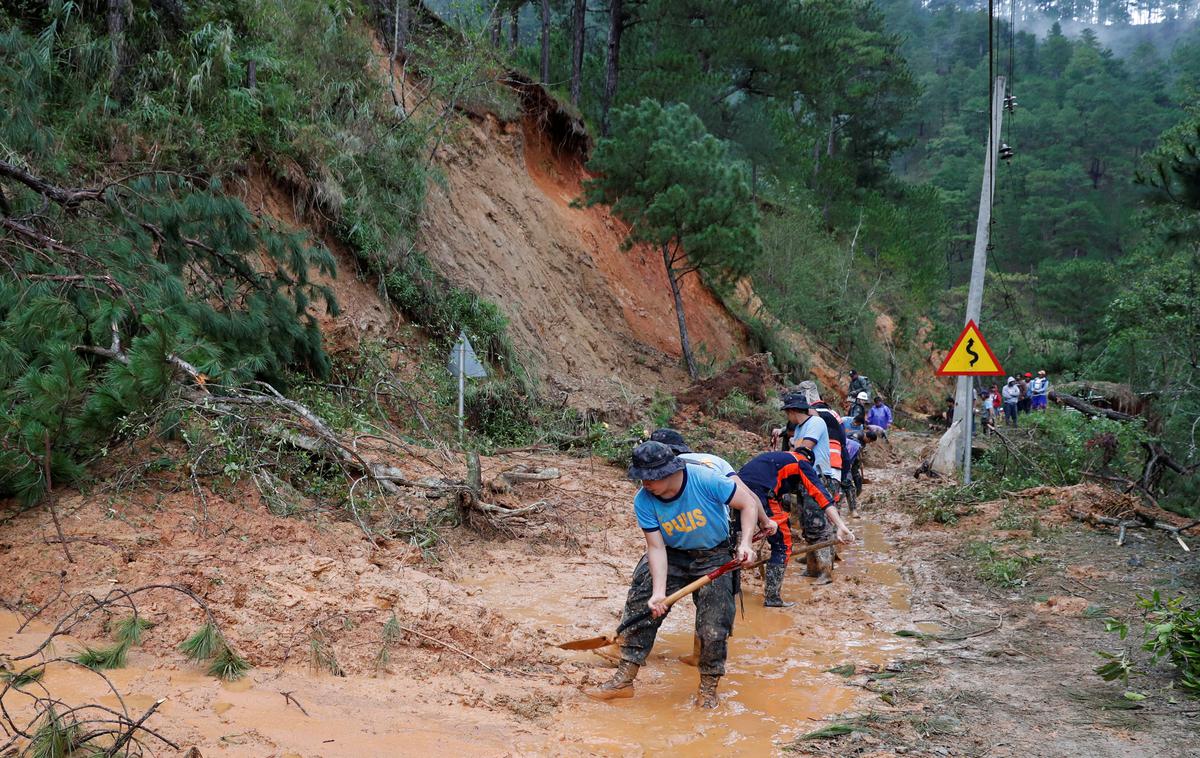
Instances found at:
x=595 y=321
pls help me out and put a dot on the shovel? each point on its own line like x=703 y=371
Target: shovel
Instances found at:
x=594 y=643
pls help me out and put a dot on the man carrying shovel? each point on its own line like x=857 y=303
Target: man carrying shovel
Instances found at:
x=683 y=512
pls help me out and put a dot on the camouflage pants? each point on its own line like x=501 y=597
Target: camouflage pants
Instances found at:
x=810 y=520
x=834 y=485
x=715 y=606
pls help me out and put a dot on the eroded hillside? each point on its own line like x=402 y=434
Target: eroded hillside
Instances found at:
x=595 y=320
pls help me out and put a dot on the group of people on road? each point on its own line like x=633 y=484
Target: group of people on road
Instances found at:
x=698 y=514
x=1022 y=393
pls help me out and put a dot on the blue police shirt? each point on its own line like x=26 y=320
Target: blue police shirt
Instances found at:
x=816 y=430
x=708 y=460
x=696 y=518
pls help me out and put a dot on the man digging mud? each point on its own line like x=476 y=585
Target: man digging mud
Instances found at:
x=773 y=477
x=816 y=521
x=683 y=512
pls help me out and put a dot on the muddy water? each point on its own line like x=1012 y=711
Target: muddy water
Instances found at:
x=777 y=684
x=353 y=717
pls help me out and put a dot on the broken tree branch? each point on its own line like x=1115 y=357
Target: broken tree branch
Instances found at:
x=50 y=501
x=506 y=480
x=446 y=645
x=289 y=698
x=69 y=197
x=1094 y=519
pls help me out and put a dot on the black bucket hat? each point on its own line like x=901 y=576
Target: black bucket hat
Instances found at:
x=671 y=439
x=795 y=402
x=654 y=460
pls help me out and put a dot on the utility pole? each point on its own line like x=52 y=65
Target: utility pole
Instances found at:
x=963 y=400
x=954 y=447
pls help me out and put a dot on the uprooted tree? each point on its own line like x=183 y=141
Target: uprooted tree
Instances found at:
x=677 y=188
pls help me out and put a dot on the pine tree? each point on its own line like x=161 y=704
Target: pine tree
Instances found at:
x=676 y=187
x=100 y=313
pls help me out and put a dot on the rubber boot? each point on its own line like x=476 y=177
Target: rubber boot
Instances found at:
x=694 y=658
x=773 y=586
x=608 y=657
x=812 y=567
x=706 y=696
x=820 y=566
x=621 y=684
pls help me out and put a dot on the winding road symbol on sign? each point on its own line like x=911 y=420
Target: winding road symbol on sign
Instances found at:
x=974 y=355
x=970 y=356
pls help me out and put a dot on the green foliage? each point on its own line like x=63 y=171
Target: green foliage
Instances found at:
x=1094 y=274
x=389 y=636
x=228 y=665
x=735 y=406
x=104 y=658
x=662 y=409
x=321 y=655
x=1171 y=631
x=501 y=411
x=160 y=268
x=129 y=630
x=945 y=505
x=414 y=287
x=1052 y=448
x=677 y=188
x=204 y=643
x=54 y=737
x=1055 y=449
x=617 y=447
x=208 y=644
x=198 y=300
x=997 y=567
x=769 y=339
x=167 y=267
x=19 y=679
x=829 y=732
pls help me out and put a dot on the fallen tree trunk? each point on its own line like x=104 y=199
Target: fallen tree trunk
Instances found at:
x=1088 y=409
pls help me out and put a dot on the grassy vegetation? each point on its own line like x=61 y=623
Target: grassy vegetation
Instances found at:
x=1053 y=448
x=104 y=658
x=999 y=566
x=55 y=737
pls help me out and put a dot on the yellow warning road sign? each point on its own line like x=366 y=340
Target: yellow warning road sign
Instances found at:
x=970 y=356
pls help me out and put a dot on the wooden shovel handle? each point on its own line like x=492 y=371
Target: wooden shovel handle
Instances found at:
x=681 y=593
x=797 y=552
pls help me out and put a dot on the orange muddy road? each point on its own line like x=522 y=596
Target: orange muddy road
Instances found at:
x=778 y=684
x=505 y=602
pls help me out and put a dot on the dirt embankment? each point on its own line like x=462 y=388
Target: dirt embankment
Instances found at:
x=595 y=319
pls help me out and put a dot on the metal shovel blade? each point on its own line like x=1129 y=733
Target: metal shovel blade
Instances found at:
x=591 y=643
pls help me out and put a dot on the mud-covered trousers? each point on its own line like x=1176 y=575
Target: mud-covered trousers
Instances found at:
x=715 y=607
x=780 y=541
x=809 y=520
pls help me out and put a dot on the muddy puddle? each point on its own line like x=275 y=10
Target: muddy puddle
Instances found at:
x=351 y=716
x=777 y=686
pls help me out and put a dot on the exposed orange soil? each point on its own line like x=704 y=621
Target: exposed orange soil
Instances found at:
x=276 y=584
x=596 y=320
